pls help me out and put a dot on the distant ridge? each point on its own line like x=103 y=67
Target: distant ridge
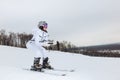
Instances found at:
x=112 y=46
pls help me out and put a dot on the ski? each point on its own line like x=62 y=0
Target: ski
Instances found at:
x=62 y=70
x=52 y=72
x=47 y=72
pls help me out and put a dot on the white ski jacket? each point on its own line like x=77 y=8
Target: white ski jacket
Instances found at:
x=39 y=37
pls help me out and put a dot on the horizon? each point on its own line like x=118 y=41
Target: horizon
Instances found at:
x=7 y=33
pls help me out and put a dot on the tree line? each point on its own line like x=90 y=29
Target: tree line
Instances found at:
x=20 y=40
x=14 y=39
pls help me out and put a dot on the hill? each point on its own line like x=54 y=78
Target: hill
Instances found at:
x=115 y=46
x=13 y=60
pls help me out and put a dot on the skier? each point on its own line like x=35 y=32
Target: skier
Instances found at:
x=40 y=37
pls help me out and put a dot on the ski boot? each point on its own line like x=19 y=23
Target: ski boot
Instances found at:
x=46 y=64
x=36 y=66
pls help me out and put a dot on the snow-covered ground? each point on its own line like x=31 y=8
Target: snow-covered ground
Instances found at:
x=14 y=60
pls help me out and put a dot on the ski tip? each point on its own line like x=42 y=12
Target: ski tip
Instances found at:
x=63 y=75
x=72 y=70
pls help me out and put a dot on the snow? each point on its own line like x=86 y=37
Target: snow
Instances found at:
x=14 y=60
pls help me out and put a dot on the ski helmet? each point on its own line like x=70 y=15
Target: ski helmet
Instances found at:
x=42 y=24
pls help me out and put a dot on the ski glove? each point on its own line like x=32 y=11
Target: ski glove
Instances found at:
x=43 y=41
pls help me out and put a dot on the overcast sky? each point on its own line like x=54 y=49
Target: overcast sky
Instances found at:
x=82 y=22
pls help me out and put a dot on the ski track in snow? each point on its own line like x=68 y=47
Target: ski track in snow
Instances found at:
x=13 y=60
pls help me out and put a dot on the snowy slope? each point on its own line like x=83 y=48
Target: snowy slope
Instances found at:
x=13 y=60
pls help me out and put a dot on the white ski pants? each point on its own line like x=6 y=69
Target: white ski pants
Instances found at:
x=39 y=50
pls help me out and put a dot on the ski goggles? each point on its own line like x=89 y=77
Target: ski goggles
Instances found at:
x=45 y=25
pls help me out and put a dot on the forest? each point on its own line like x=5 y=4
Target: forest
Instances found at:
x=20 y=40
